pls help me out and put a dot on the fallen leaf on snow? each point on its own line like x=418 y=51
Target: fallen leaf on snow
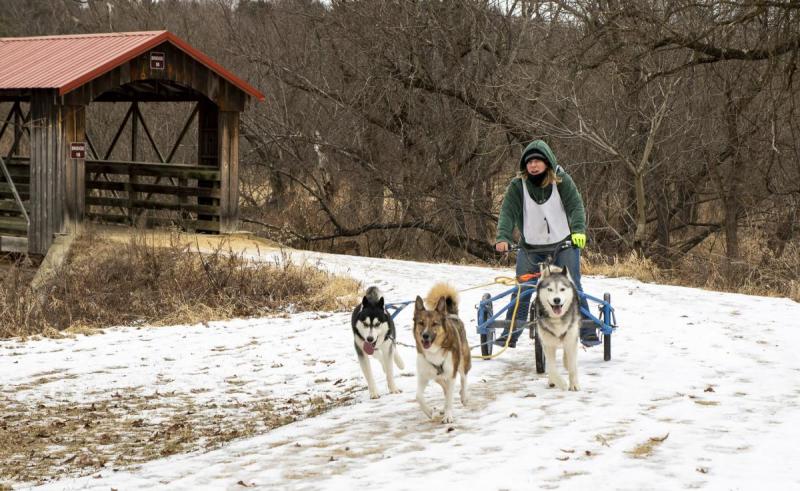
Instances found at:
x=659 y=439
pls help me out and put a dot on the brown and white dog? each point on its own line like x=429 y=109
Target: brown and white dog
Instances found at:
x=442 y=349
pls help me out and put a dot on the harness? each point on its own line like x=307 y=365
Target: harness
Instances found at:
x=439 y=368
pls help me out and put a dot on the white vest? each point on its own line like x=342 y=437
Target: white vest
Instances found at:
x=544 y=223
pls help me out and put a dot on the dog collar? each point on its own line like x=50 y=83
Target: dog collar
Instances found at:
x=439 y=368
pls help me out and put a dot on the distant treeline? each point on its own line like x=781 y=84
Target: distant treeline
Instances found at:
x=393 y=128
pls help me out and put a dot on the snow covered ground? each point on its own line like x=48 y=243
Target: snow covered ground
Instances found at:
x=702 y=392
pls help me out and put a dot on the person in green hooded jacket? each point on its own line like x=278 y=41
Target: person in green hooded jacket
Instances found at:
x=549 y=211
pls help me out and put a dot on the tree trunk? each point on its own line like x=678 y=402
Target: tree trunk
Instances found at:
x=641 y=213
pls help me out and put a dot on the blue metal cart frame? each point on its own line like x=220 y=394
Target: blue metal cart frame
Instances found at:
x=488 y=321
x=605 y=323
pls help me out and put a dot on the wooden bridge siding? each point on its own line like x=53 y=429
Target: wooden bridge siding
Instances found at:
x=180 y=68
x=47 y=172
x=207 y=147
x=218 y=118
x=207 y=216
x=229 y=170
x=57 y=182
x=75 y=182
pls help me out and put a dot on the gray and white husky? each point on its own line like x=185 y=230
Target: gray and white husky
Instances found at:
x=374 y=334
x=558 y=322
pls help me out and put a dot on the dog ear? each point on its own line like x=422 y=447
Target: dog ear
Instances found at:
x=419 y=304
x=380 y=303
x=544 y=270
x=365 y=301
x=441 y=305
x=565 y=272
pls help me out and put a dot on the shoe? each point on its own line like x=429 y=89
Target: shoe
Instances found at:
x=589 y=337
x=502 y=343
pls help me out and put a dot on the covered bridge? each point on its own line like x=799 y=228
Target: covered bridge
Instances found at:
x=53 y=176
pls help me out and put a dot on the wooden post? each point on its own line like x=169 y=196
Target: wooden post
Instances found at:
x=229 y=170
x=17 y=129
x=207 y=147
x=74 y=132
x=47 y=183
x=132 y=179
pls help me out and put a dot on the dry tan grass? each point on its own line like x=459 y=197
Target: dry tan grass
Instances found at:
x=762 y=273
x=106 y=282
x=645 y=449
x=633 y=266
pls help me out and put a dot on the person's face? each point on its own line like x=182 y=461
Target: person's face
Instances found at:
x=535 y=167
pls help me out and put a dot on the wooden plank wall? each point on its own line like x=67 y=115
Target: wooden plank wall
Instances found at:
x=48 y=178
x=75 y=169
x=172 y=204
x=207 y=147
x=180 y=68
x=228 y=134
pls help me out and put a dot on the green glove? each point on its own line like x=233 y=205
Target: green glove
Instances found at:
x=579 y=240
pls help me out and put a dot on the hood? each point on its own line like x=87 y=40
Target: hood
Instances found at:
x=541 y=147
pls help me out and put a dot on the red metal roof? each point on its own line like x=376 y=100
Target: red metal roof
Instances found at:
x=69 y=61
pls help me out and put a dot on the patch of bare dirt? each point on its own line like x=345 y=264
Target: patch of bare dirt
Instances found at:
x=41 y=442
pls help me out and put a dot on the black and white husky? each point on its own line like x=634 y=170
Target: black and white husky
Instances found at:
x=373 y=331
x=558 y=322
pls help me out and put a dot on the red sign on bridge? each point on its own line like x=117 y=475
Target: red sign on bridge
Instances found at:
x=157 y=60
x=77 y=150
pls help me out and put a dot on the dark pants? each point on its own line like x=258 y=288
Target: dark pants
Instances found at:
x=528 y=262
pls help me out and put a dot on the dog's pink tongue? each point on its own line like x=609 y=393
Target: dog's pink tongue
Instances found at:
x=557 y=309
x=369 y=348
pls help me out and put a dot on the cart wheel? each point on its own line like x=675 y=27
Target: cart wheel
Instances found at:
x=606 y=338
x=487 y=341
x=537 y=345
x=539 y=353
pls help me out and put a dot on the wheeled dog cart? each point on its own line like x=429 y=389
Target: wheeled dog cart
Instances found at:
x=604 y=323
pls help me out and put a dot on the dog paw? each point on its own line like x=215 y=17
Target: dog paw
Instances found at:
x=395 y=391
x=558 y=382
x=373 y=395
x=574 y=387
x=447 y=419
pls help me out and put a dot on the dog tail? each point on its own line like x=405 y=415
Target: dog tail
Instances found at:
x=373 y=294
x=446 y=291
x=398 y=360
